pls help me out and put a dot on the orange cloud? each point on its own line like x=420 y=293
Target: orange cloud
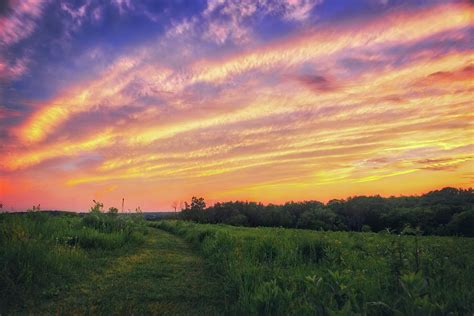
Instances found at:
x=108 y=90
x=276 y=122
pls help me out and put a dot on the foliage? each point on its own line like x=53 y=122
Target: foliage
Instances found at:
x=462 y=223
x=97 y=207
x=441 y=212
x=39 y=253
x=162 y=276
x=113 y=210
x=276 y=271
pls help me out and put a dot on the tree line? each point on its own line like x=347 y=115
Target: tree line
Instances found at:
x=448 y=211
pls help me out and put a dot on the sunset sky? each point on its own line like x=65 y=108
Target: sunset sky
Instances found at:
x=157 y=101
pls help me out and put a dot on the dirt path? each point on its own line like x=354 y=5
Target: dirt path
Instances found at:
x=165 y=277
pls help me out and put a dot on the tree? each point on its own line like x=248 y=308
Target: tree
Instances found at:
x=237 y=220
x=430 y=212
x=318 y=218
x=463 y=224
x=194 y=211
x=198 y=204
x=113 y=210
x=97 y=208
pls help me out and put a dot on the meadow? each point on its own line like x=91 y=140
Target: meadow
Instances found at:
x=41 y=253
x=279 y=271
x=108 y=263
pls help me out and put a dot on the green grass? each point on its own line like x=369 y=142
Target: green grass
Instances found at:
x=110 y=264
x=300 y=272
x=163 y=276
x=99 y=264
x=41 y=254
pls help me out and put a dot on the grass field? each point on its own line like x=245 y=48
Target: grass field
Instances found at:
x=105 y=265
x=281 y=271
x=111 y=264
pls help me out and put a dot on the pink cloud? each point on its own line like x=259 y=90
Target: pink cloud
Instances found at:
x=123 y=5
x=8 y=113
x=228 y=20
x=231 y=20
x=77 y=14
x=184 y=27
x=19 y=68
x=3 y=68
x=97 y=14
x=21 y=22
x=14 y=69
x=299 y=10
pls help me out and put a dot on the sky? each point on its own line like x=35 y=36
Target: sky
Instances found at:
x=271 y=101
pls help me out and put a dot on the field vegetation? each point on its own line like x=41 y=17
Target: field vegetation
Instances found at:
x=40 y=253
x=277 y=271
x=360 y=256
x=100 y=263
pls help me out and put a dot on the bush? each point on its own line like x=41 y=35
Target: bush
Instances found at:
x=103 y=222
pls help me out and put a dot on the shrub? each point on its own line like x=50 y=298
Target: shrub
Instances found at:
x=103 y=222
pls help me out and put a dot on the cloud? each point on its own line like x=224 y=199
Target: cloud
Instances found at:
x=378 y=122
x=232 y=20
x=443 y=164
x=77 y=14
x=6 y=113
x=227 y=20
x=20 y=21
x=317 y=83
x=97 y=14
x=182 y=28
x=112 y=91
x=463 y=74
x=231 y=115
x=299 y=10
x=19 y=68
x=123 y=5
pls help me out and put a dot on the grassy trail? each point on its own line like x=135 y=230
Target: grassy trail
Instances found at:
x=164 y=276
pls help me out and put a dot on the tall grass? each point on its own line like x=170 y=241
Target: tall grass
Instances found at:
x=284 y=271
x=40 y=254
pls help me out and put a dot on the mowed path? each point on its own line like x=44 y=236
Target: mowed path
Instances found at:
x=164 y=277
